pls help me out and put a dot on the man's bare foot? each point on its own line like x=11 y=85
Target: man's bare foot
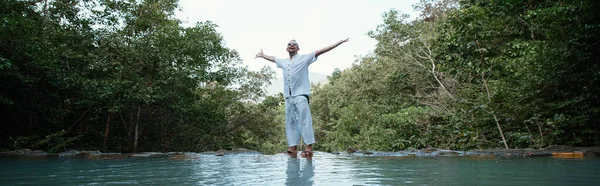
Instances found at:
x=309 y=148
x=308 y=152
x=292 y=150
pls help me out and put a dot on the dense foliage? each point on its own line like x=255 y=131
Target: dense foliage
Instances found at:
x=470 y=74
x=124 y=75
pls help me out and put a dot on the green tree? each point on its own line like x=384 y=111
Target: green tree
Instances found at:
x=122 y=76
x=469 y=74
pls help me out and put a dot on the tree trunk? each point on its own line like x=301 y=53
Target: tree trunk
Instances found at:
x=30 y=121
x=165 y=141
x=107 y=129
x=434 y=72
x=79 y=119
x=137 y=122
x=493 y=113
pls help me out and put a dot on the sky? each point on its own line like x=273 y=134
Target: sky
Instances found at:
x=249 y=26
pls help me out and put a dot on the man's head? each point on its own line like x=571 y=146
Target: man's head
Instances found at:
x=292 y=47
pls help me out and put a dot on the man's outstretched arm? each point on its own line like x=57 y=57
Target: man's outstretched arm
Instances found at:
x=327 y=49
x=264 y=56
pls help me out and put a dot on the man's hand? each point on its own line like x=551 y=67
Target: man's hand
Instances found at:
x=260 y=54
x=264 y=56
x=344 y=40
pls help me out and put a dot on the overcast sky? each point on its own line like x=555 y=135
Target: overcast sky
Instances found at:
x=248 y=26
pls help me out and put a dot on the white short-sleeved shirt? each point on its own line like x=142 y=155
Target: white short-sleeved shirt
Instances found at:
x=295 y=74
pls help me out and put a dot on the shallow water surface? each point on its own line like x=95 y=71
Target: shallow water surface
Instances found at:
x=280 y=169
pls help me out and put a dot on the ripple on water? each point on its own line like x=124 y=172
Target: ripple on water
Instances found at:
x=323 y=169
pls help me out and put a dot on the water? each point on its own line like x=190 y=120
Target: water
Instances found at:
x=280 y=169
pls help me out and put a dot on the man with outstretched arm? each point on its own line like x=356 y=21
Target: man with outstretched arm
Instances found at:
x=296 y=90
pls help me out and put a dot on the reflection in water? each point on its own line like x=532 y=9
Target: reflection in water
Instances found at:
x=281 y=169
x=296 y=175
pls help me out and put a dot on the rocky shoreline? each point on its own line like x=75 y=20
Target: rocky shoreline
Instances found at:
x=554 y=151
x=103 y=155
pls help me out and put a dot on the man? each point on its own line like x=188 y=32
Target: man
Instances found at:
x=296 y=90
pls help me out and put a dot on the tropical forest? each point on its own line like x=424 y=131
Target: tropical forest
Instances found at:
x=129 y=76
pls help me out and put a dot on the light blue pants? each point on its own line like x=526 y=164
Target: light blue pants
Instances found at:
x=298 y=121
